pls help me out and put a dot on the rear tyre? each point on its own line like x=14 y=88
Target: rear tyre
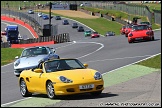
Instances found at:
x=23 y=89
x=97 y=93
x=50 y=90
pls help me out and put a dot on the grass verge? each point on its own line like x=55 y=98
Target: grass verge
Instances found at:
x=154 y=62
x=8 y=55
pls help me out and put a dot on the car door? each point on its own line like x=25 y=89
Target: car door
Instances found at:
x=38 y=81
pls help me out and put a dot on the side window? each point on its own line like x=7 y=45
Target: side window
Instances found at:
x=48 y=50
x=40 y=66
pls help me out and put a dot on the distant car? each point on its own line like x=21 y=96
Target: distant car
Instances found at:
x=128 y=29
x=87 y=33
x=58 y=77
x=74 y=25
x=57 y=18
x=80 y=29
x=3 y=32
x=110 y=33
x=140 y=32
x=31 y=57
x=30 y=11
x=95 y=35
x=148 y=23
x=40 y=14
x=45 y=17
x=65 y=22
x=122 y=30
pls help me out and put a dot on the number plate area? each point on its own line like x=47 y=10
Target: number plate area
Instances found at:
x=139 y=38
x=86 y=86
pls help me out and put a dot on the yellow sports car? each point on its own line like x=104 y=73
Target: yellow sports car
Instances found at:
x=60 y=77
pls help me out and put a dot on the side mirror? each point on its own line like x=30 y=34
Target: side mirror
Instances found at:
x=85 y=65
x=38 y=70
x=16 y=57
x=53 y=49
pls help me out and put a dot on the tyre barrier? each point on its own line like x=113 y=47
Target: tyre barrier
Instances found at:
x=61 y=38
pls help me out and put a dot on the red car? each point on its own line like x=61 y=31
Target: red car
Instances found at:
x=122 y=30
x=3 y=33
x=128 y=29
x=140 y=32
x=95 y=35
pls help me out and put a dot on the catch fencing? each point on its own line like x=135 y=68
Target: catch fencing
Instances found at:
x=157 y=18
x=24 y=17
x=129 y=8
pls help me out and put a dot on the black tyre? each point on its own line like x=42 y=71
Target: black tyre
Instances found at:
x=50 y=90
x=58 y=57
x=153 y=38
x=23 y=89
x=96 y=93
x=17 y=75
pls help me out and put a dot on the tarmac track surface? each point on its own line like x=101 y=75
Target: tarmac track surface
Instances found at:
x=103 y=54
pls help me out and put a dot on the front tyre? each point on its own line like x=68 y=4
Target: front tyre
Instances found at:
x=50 y=90
x=23 y=89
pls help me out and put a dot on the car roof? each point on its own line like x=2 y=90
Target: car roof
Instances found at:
x=36 y=47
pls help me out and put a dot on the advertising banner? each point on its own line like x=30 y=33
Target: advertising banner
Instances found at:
x=60 y=7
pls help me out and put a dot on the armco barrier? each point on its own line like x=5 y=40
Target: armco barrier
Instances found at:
x=39 y=41
x=14 y=20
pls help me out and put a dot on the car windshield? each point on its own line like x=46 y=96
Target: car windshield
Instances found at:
x=145 y=23
x=88 y=31
x=129 y=26
x=34 y=51
x=140 y=27
x=62 y=64
x=65 y=20
x=124 y=27
x=74 y=23
x=109 y=32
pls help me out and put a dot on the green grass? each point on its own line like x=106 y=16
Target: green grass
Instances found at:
x=8 y=55
x=99 y=24
x=154 y=62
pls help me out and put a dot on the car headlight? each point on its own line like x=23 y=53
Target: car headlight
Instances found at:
x=97 y=76
x=17 y=63
x=65 y=80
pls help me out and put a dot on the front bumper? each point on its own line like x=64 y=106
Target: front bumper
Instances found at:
x=17 y=71
x=140 y=38
x=73 y=88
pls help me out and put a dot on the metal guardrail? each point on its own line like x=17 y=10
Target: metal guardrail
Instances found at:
x=24 y=17
x=57 y=39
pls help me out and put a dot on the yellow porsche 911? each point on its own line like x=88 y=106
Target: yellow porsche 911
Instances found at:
x=61 y=77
